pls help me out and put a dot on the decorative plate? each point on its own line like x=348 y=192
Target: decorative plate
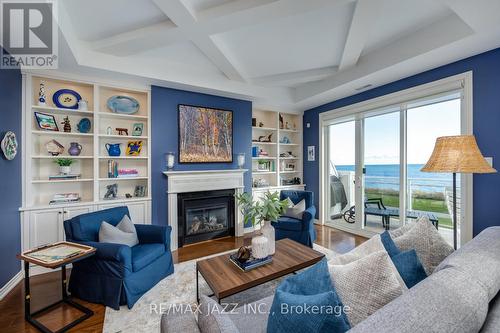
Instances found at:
x=66 y=99
x=123 y=104
x=84 y=125
x=9 y=145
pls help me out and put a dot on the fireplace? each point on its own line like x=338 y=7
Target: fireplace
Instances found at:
x=205 y=215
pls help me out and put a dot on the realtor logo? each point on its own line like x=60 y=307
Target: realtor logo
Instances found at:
x=29 y=34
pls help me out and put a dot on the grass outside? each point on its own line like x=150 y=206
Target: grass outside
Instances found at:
x=423 y=204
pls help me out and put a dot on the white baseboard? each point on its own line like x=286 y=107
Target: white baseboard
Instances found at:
x=346 y=228
x=11 y=284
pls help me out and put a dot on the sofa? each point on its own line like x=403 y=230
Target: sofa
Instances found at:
x=461 y=295
x=300 y=230
x=117 y=274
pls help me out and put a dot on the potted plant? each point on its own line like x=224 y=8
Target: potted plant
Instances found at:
x=64 y=165
x=271 y=209
x=267 y=209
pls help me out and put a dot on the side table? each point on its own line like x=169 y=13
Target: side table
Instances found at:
x=54 y=261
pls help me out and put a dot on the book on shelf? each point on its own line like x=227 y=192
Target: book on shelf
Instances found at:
x=250 y=263
x=65 y=198
x=65 y=176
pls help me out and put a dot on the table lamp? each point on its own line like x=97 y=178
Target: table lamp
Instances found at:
x=457 y=154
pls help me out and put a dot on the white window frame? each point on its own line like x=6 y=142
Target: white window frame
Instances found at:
x=461 y=82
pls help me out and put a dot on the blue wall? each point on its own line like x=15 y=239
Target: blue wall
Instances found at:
x=486 y=122
x=10 y=197
x=164 y=129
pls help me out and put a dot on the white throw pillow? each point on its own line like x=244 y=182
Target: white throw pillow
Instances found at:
x=430 y=246
x=295 y=211
x=366 y=285
x=372 y=245
x=124 y=233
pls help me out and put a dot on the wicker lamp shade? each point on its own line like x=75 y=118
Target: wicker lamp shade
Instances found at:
x=457 y=154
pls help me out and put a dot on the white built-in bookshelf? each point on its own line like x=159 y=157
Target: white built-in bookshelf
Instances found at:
x=91 y=163
x=283 y=161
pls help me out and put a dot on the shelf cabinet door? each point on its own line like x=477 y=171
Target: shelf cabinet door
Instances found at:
x=139 y=211
x=45 y=227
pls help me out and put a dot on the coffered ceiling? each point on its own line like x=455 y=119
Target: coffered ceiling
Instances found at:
x=286 y=55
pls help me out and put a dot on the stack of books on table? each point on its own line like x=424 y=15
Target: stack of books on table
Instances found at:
x=65 y=176
x=250 y=263
x=61 y=198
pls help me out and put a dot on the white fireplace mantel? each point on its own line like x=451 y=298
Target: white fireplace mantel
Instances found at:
x=202 y=180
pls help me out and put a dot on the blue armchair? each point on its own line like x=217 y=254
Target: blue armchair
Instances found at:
x=117 y=274
x=301 y=231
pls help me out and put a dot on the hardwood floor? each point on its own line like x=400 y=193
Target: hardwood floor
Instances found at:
x=45 y=288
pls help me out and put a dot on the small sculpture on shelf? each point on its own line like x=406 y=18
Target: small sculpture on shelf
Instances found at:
x=109 y=130
x=54 y=148
x=42 y=98
x=111 y=191
x=285 y=140
x=121 y=131
x=287 y=126
x=264 y=138
x=67 y=125
x=128 y=195
x=261 y=124
x=281 y=121
x=243 y=254
x=83 y=105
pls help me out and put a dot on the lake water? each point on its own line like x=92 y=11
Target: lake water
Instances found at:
x=386 y=176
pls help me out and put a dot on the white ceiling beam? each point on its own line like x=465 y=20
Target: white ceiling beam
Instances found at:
x=183 y=18
x=430 y=38
x=219 y=19
x=364 y=17
x=138 y=40
x=293 y=78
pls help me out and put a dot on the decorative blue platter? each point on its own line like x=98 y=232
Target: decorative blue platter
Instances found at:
x=84 y=125
x=66 y=99
x=123 y=104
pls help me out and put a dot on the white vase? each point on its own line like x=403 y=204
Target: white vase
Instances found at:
x=65 y=170
x=260 y=247
x=268 y=232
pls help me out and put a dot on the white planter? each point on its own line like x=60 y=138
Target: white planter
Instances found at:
x=65 y=170
x=260 y=248
x=268 y=232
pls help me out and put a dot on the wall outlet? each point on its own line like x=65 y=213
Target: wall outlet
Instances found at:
x=489 y=160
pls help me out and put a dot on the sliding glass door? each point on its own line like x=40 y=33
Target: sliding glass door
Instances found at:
x=373 y=160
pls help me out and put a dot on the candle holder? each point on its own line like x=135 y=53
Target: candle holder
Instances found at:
x=170 y=159
x=241 y=160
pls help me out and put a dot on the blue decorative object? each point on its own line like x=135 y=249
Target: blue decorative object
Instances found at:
x=66 y=99
x=285 y=140
x=255 y=151
x=297 y=292
x=299 y=230
x=117 y=274
x=113 y=149
x=84 y=125
x=407 y=263
x=123 y=104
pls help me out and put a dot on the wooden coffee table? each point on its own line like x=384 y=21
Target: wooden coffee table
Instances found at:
x=225 y=279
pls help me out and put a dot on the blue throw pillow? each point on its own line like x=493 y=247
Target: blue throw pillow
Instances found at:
x=407 y=263
x=308 y=302
x=409 y=267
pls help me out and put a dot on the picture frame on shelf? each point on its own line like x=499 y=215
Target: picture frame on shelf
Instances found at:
x=137 y=129
x=46 y=122
x=134 y=148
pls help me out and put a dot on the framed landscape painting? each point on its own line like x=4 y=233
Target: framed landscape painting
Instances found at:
x=205 y=135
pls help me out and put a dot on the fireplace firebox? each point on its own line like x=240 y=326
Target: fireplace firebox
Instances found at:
x=205 y=215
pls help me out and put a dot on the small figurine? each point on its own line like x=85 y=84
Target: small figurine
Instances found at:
x=111 y=191
x=281 y=121
x=42 y=99
x=83 y=105
x=122 y=131
x=243 y=254
x=67 y=124
x=287 y=126
x=265 y=138
x=128 y=195
x=261 y=124
x=109 y=130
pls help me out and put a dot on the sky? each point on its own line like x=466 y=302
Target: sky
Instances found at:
x=381 y=137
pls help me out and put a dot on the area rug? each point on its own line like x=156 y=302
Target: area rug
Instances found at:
x=178 y=288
